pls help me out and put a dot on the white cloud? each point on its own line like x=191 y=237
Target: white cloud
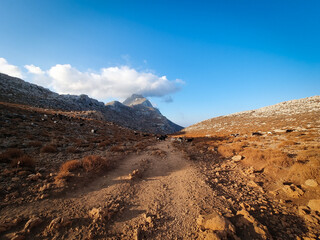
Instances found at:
x=112 y=82
x=9 y=69
x=33 y=69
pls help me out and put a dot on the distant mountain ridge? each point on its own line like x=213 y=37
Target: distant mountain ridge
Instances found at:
x=136 y=112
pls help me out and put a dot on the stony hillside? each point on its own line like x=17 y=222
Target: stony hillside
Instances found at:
x=291 y=114
x=138 y=115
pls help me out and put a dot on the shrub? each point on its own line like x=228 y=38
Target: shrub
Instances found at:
x=226 y=151
x=48 y=149
x=70 y=166
x=300 y=172
x=73 y=150
x=23 y=161
x=266 y=157
x=117 y=148
x=94 y=163
x=35 y=144
x=10 y=154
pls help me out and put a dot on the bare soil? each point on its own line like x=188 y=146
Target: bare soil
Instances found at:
x=150 y=196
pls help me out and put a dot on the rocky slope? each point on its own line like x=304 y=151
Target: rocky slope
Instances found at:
x=136 y=113
x=291 y=114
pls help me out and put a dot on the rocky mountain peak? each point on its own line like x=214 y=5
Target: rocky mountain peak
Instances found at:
x=137 y=99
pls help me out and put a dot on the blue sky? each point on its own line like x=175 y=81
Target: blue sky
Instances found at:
x=219 y=57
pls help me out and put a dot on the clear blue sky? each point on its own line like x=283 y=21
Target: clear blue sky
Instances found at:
x=232 y=55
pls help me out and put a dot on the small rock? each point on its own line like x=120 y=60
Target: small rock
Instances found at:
x=293 y=191
x=314 y=204
x=58 y=223
x=33 y=222
x=18 y=236
x=311 y=183
x=98 y=214
x=8 y=224
x=33 y=177
x=259 y=229
x=215 y=222
x=15 y=179
x=303 y=210
x=237 y=158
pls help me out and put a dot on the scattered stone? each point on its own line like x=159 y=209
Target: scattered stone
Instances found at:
x=8 y=224
x=135 y=174
x=303 y=210
x=215 y=222
x=58 y=223
x=98 y=214
x=137 y=234
x=259 y=229
x=18 y=236
x=33 y=222
x=314 y=204
x=15 y=179
x=237 y=158
x=311 y=183
x=293 y=191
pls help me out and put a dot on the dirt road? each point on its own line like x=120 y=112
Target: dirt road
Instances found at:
x=158 y=194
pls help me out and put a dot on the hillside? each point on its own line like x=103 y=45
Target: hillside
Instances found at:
x=137 y=116
x=286 y=115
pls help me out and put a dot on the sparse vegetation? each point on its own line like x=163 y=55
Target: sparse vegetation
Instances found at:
x=23 y=161
x=50 y=148
x=10 y=154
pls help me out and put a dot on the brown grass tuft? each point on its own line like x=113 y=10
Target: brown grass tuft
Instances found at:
x=35 y=144
x=94 y=163
x=70 y=166
x=10 y=154
x=23 y=161
x=266 y=157
x=49 y=149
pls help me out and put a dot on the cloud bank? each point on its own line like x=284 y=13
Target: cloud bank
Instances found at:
x=112 y=82
x=9 y=69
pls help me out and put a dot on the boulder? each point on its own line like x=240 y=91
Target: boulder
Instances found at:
x=314 y=204
x=311 y=183
x=237 y=158
x=258 y=228
x=293 y=191
x=215 y=222
x=33 y=222
x=98 y=214
x=58 y=223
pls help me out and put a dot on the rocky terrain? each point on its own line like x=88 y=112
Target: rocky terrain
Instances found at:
x=291 y=114
x=138 y=115
x=73 y=175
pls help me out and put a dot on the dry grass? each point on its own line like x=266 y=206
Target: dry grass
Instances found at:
x=92 y=163
x=95 y=163
x=228 y=150
x=23 y=161
x=35 y=144
x=70 y=166
x=287 y=143
x=10 y=154
x=266 y=157
x=73 y=150
x=50 y=148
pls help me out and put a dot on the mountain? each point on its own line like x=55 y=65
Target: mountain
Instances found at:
x=294 y=114
x=136 y=112
x=136 y=99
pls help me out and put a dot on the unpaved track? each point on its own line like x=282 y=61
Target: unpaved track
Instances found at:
x=162 y=203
